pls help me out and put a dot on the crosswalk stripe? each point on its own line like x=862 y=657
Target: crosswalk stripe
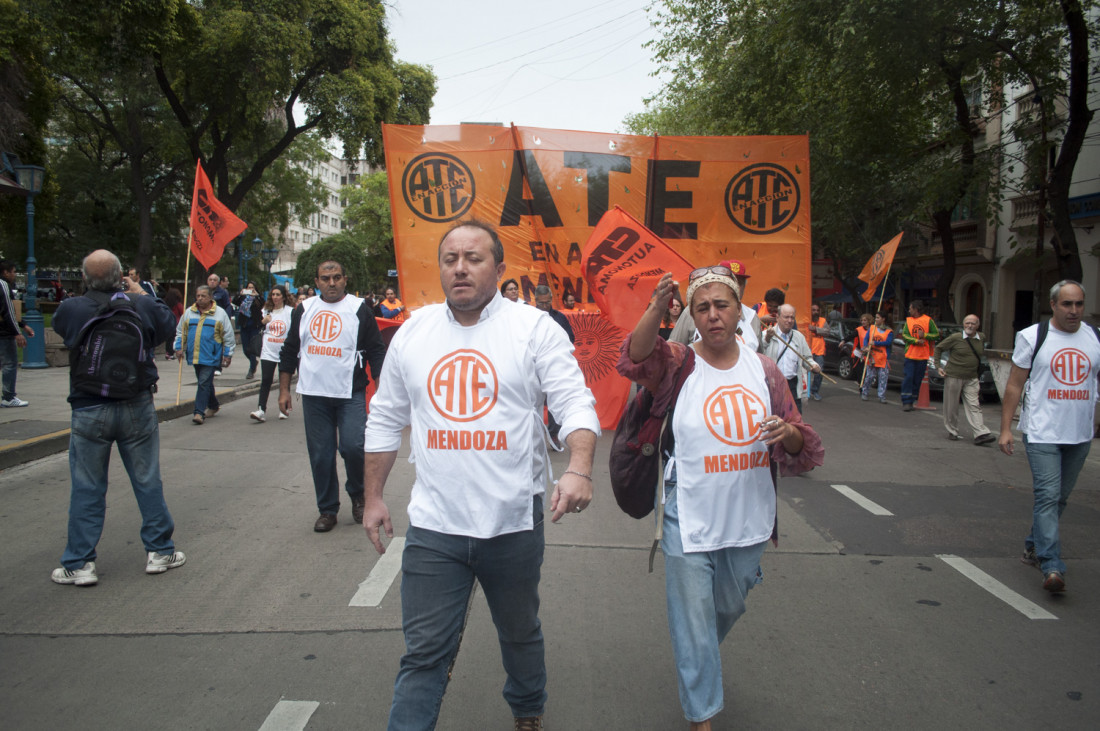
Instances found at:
x=289 y=716
x=378 y=582
x=1027 y=608
x=861 y=501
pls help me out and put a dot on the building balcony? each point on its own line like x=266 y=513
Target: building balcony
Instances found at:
x=1025 y=212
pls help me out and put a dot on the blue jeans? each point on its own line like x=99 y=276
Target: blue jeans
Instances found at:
x=706 y=594
x=204 y=391
x=437 y=579
x=883 y=376
x=912 y=377
x=328 y=421
x=1054 y=470
x=9 y=359
x=815 y=382
x=132 y=425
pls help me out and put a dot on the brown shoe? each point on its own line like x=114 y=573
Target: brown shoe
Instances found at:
x=325 y=523
x=529 y=723
x=198 y=419
x=357 y=504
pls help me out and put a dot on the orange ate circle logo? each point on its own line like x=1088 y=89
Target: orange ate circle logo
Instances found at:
x=277 y=328
x=325 y=326
x=733 y=415
x=1070 y=366
x=463 y=386
x=918 y=332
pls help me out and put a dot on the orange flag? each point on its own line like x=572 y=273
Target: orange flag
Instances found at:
x=622 y=262
x=212 y=224
x=877 y=266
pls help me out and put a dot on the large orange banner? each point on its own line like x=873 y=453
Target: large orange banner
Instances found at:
x=707 y=198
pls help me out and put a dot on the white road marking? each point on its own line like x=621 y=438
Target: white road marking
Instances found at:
x=289 y=716
x=378 y=582
x=861 y=501
x=1027 y=608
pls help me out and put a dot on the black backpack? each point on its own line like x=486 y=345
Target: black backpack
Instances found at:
x=111 y=349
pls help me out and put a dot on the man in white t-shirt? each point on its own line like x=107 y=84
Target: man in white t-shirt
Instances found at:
x=470 y=377
x=788 y=348
x=1058 y=373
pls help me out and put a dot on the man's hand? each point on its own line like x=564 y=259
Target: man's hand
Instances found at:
x=1005 y=442
x=29 y=331
x=572 y=494
x=941 y=372
x=21 y=341
x=226 y=361
x=376 y=518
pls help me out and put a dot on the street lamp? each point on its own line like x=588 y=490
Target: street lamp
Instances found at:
x=269 y=257
x=30 y=178
x=244 y=255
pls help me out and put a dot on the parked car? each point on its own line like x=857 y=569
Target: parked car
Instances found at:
x=838 y=349
x=987 y=387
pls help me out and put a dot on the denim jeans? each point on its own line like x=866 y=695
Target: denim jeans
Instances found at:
x=132 y=425
x=883 y=376
x=912 y=377
x=437 y=579
x=9 y=359
x=1054 y=470
x=706 y=594
x=204 y=391
x=815 y=381
x=329 y=421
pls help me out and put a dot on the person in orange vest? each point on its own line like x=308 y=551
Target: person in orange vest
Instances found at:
x=876 y=343
x=919 y=333
x=818 y=328
x=859 y=352
x=392 y=308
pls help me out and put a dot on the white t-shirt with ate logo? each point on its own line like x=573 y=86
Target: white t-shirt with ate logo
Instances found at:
x=1061 y=391
x=473 y=397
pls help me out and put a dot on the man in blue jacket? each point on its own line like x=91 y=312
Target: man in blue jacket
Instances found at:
x=98 y=422
x=204 y=337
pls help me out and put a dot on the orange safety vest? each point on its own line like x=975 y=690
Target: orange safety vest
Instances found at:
x=918 y=328
x=879 y=356
x=400 y=316
x=817 y=342
x=861 y=333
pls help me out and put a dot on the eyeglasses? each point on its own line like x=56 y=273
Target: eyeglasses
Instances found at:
x=702 y=271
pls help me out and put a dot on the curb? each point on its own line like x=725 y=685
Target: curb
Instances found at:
x=49 y=444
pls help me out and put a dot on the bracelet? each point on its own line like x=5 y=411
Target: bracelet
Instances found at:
x=578 y=474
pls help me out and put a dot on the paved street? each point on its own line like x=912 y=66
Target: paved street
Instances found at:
x=908 y=608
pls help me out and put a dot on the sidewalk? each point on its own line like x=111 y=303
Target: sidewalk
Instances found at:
x=42 y=428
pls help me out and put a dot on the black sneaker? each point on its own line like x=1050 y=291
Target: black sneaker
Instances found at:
x=357 y=504
x=1030 y=558
x=985 y=438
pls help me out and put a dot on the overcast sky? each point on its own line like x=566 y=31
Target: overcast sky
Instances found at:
x=569 y=64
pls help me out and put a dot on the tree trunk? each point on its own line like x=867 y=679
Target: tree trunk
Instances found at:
x=942 y=219
x=1080 y=116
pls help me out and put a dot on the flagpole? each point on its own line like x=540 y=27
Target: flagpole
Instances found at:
x=186 y=286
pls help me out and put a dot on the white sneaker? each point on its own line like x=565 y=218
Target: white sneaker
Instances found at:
x=14 y=402
x=84 y=576
x=283 y=416
x=158 y=564
x=258 y=415
x=217 y=373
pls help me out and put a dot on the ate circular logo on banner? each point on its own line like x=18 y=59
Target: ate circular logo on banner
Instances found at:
x=277 y=328
x=437 y=187
x=325 y=326
x=463 y=386
x=1070 y=366
x=733 y=415
x=763 y=198
x=877 y=262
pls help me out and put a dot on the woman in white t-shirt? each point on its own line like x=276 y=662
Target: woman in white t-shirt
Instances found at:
x=276 y=323
x=734 y=422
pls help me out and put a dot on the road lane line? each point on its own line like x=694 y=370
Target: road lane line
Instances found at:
x=381 y=577
x=861 y=501
x=289 y=716
x=1016 y=601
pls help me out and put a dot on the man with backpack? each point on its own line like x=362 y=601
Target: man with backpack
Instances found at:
x=1055 y=366
x=111 y=337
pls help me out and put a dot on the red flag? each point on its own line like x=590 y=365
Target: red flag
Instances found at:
x=622 y=262
x=212 y=224
x=877 y=266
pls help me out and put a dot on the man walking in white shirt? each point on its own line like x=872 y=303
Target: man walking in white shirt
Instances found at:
x=1056 y=365
x=790 y=351
x=470 y=377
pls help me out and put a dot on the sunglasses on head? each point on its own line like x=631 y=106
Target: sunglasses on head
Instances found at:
x=719 y=269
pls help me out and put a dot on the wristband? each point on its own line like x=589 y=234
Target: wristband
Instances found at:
x=578 y=474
